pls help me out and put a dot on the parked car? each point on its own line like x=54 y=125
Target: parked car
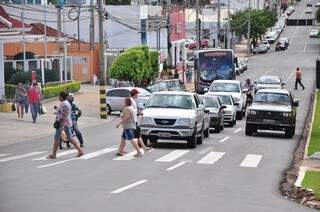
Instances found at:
x=272 y=37
x=116 y=96
x=318 y=4
x=260 y=49
x=268 y=81
x=175 y=115
x=216 y=111
x=314 y=33
x=308 y=11
x=160 y=86
x=272 y=109
x=174 y=85
x=284 y=16
x=229 y=111
x=244 y=62
x=232 y=87
x=291 y=8
x=266 y=43
x=282 y=44
x=117 y=83
x=309 y=4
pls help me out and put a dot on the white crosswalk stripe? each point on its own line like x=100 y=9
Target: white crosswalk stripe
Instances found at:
x=57 y=163
x=21 y=156
x=5 y=154
x=251 y=160
x=172 y=156
x=60 y=154
x=128 y=156
x=97 y=153
x=211 y=158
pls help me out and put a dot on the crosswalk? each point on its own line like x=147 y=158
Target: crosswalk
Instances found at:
x=181 y=156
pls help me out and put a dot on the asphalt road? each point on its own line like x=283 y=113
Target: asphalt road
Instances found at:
x=229 y=172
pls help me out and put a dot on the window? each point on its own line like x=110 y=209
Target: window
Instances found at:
x=224 y=87
x=170 y=101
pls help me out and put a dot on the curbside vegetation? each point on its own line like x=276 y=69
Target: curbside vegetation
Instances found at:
x=312 y=181
x=47 y=92
x=314 y=143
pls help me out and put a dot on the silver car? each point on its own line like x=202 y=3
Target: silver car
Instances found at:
x=175 y=115
x=116 y=96
x=268 y=81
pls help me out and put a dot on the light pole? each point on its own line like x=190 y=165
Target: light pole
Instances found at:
x=249 y=28
x=197 y=26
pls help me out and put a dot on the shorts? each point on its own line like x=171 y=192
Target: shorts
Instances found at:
x=127 y=134
x=137 y=132
x=67 y=130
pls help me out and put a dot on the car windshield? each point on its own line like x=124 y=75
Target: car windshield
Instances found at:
x=225 y=100
x=272 y=98
x=170 y=101
x=143 y=92
x=172 y=84
x=210 y=102
x=225 y=87
x=268 y=80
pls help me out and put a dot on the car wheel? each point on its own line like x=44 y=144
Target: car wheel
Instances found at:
x=201 y=137
x=244 y=113
x=109 y=110
x=249 y=130
x=206 y=133
x=290 y=132
x=231 y=124
x=153 y=140
x=217 y=129
x=192 y=140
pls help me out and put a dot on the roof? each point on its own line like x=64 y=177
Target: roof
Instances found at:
x=10 y=24
x=38 y=29
x=218 y=94
x=174 y=93
x=269 y=90
x=227 y=81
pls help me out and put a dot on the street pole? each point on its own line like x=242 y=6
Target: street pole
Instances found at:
x=79 y=28
x=218 y=23
x=103 y=104
x=45 y=37
x=58 y=21
x=228 y=31
x=24 y=39
x=197 y=26
x=249 y=28
x=91 y=28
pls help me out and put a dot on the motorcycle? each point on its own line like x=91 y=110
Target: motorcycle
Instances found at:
x=249 y=97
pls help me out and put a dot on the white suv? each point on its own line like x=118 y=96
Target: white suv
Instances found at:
x=232 y=87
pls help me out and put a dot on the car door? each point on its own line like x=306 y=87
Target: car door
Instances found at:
x=199 y=112
x=110 y=99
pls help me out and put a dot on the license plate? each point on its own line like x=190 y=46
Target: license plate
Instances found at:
x=164 y=135
x=268 y=121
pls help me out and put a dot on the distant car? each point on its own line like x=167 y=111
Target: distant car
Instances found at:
x=318 y=4
x=190 y=62
x=309 y=4
x=272 y=37
x=157 y=87
x=268 y=81
x=291 y=8
x=204 y=44
x=244 y=63
x=174 y=85
x=115 y=98
x=189 y=41
x=282 y=44
x=313 y=33
x=117 y=83
x=272 y=109
x=266 y=43
x=284 y=16
x=216 y=111
x=260 y=49
x=308 y=11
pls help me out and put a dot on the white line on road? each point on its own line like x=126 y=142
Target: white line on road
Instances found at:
x=211 y=158
x=238 y=130
x=175 y=166
x=172 y=156
x=57 y=163
x=21 y=156
x=291 y=75
x=58 y=154
x=128 y=186
x=5 y=154
x=306 y=43
x=98 y=153
x=251 y=161
x=223 y=140
x=128 y=156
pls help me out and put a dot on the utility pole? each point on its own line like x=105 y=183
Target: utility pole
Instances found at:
x=91 y=28
x=24 y=39
x=249 y=29
x=228 y=38
x=45 y=36
x=168 y=8
x=197 y=26
x=79 y=27
x=59 y=20
x=103 y=103
x=218 y=23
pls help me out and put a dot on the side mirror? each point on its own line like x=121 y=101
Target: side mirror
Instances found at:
x=283 y=84
x=245 y=90
x=223 y=107
x=296 y=103
x=206 y=89
x=207 y=111
x=236 y=104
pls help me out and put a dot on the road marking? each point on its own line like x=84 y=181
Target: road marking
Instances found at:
x=238 y=130
x=206 y=150
x=21 y=156
x=172 y=156
x=58 y=155
x=291 y=75
x=97 y=153
x=128 y=156
x=176 y=166
x=5 y=154
x=128 y=187
x=251 y=161
x=306 y=43
x=211 y=158
x=57 y=163
x=223 y=140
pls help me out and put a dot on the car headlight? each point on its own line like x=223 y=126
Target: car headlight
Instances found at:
x=146 y=120
x=215 y=115
x=252 y=112
x=286 y=114
x=184 y=121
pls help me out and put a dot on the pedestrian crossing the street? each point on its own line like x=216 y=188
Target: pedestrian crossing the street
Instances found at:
x=180 y=156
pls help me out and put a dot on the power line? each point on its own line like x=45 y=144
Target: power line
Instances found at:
x=40 y=20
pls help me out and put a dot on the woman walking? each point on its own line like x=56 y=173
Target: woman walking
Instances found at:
x=34 y=101
x=20 y=98
x=128 y=124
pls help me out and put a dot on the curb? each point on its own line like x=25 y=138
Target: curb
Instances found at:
x=301 y=175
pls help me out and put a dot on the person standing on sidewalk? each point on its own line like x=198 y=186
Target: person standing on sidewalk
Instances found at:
x=298 y=79
x=20 y=98
x=34 y=101
x=63 y=126
x=137 y=131
x=75 y=114
x=128 y=124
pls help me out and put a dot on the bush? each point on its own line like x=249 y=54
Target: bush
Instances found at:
x=54 y=91
x=13 y=76
x=9 y=91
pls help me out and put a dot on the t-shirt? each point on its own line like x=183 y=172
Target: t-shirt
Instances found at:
x=135 y=108
x=65 y=107
x=33 y=95
x=130 y=123
x=299 y=74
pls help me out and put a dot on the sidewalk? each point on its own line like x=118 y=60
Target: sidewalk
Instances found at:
x=13 y=130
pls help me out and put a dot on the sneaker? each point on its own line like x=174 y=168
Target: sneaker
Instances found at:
x=138 y=155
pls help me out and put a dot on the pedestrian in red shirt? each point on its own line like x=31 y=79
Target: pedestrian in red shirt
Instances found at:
x=34 y=101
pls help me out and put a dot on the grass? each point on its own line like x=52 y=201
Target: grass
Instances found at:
x=314 y=145
x=312 y=181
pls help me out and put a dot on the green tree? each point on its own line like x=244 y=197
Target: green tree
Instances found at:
x=137 y=65
x=117 y=2
x=318 y=15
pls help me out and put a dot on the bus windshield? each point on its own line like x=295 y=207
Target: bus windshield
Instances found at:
x=215 y=65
